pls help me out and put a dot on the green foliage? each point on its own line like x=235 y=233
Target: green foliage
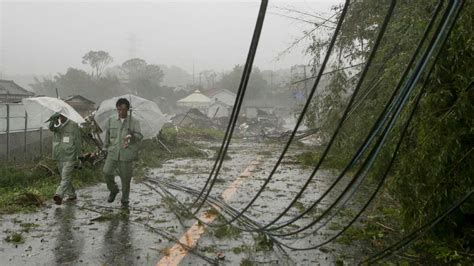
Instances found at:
x=356 y=42
x=134 y=66
x=26 y=227
x=167 y=145
x=14 y=176
x=311 y=158
x=246 y=262
x=169 y=135
x=240 y=249
x=435 y=166
x=27 y=187
x=209 y=249
x=144 y=78
x=98 y=60
x=437 y=163
x=263 y=243
x=441 y=253
x=227 y=231
x=212 y=211
x=153 y=153
x=15 y=238
x=231 y=81
x=76 y=81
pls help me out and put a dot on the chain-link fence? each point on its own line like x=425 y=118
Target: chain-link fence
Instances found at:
x=20 y=138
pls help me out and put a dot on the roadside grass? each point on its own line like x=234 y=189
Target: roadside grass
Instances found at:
x=381 y=226
x=27 y=187
x=216 y=154
x=311 y=158
x=154 y=152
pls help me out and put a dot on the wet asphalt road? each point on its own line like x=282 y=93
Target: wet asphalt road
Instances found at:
x=94 y=232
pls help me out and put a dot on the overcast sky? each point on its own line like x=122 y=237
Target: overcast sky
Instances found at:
x=45 y=37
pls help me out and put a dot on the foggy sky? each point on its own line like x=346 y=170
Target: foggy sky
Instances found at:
x=43 y=38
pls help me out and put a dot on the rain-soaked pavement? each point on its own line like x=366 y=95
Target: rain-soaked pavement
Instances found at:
x=94 y=232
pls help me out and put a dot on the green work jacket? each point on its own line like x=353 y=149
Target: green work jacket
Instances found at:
x=67 y=141
x=115 y=132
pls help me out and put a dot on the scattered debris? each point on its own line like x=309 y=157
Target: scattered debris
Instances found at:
x=193 y=118
x=15 y=238
x=220 y=255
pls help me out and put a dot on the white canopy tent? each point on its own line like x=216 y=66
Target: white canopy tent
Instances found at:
x=195 y=100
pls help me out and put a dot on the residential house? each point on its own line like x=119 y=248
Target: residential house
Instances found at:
x=81 y=104
x=218 y=109
x=225 y=96
x=10 y=92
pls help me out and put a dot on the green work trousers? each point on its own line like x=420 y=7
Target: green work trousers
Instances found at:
x=122 y=169
x=65 y=187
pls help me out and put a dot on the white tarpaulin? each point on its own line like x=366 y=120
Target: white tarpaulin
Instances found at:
x=40 y=109
x=145 y=111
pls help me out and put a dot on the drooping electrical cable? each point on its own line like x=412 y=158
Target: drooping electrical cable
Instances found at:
x=398 y=105
x=339 y=126
x=301 y=117
x=388 y=112
x=236 y=108
x=446 y=28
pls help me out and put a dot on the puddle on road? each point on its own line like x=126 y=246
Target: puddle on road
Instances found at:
x=95 y=232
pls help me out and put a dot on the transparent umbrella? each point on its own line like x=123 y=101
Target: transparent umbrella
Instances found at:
x=41 y=109
x=145 y=111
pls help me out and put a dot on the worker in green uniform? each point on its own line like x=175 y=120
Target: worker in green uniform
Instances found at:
x=122 y=136
x=67 y=146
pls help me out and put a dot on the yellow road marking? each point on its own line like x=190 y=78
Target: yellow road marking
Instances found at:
x=176 y=253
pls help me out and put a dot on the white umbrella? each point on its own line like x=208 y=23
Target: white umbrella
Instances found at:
x=40 y=109
x=145 y=111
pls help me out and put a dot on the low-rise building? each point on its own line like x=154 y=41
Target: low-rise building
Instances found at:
x=219 y=109
x=81 y=104
x=10 y=92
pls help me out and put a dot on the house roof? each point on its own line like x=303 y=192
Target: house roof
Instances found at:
x=212 y=92
x=195 y=97
x=10 y=87
x=221 y=103
x=79 y=98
